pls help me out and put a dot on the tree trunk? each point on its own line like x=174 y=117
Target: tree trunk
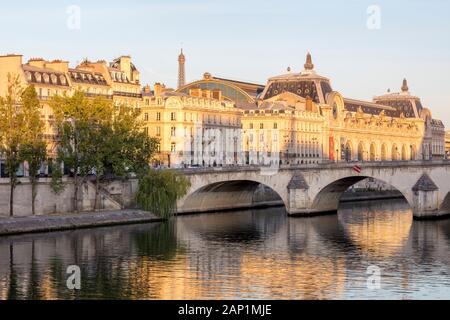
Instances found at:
x=33 y=196
x=96 y=193
x=75 y=193
x=11 y=200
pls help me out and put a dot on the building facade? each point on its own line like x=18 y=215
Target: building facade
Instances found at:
x=296 y=118
x=118 y=81
x=447 y=144
x=195 y=129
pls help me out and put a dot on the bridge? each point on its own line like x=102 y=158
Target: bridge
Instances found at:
x=316 y=189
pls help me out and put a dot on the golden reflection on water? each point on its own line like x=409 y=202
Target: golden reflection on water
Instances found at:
x=259 y=254
x=378 y=232
x=308 y=278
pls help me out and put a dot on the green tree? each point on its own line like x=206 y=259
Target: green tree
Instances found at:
x=159 y=191
x=96 y=137
x=131 y=150
x=33 y=149
x=76 y=118
x=12 y=131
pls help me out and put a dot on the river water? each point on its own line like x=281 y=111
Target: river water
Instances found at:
x=370 y=250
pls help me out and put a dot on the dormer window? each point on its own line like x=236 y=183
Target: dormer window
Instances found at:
x=46 y=78
x=38 y=77
x=28 y=75
x=54 y=79
x=62 y=79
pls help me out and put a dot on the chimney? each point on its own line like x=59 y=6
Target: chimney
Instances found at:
x=159 y=88
x=125 y=66
x=37 y=62
x=58 y=65
x=147 y=89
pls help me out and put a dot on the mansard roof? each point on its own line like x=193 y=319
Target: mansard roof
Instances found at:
x=45 y=76
x=83 y=76
x=367 y=107
x=305 y=84
x=403 y=101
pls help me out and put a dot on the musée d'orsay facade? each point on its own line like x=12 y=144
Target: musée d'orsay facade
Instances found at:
x=296 y=118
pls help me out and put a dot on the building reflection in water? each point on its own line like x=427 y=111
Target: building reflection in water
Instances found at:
x=245 y=254
x=378 y=230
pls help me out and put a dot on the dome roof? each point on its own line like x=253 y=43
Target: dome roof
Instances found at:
x=305 y=84
x=403 y=101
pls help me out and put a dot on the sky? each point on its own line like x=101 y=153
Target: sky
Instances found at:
x=364 y=47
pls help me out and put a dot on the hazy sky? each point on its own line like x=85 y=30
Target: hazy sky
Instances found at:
x=249 y=40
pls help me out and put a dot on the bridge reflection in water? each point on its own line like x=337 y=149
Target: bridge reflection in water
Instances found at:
x=243 y=254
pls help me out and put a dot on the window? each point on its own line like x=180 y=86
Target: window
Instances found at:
x=173 y=131
x=146 y=131
x=173 y=116
x=146 y=117
x=158 y=131
x=173 y=147
x=158 y=116
x=275 y=125
x=251 y=125
x=261 y=125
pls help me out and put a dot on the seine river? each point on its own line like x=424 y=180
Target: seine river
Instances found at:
x=370 y=250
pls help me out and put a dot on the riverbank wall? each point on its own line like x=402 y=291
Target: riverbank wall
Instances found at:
x=50 y=223
x=47 y=202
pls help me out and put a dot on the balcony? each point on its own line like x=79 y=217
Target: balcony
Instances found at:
x=128 y=94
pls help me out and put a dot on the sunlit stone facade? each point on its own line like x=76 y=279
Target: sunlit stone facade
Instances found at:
x=285 y=129
x=118 y=81
x=447 y=144
x=195 y=129
x=297 y=118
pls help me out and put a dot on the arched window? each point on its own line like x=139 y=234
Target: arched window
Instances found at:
x=383 y=152
x=361 y=152
x=395 y=152
x=348 y=151
x=413 y=152
x=404 y=153
x=373 y=152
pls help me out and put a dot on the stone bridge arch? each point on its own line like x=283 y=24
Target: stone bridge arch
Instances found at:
x=238 y=189
x=424 y=186
x=327 y=199
x=314 y=189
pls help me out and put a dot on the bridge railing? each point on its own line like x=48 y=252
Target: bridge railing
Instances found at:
x=324 y=165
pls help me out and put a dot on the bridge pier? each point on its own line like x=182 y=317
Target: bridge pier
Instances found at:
x=426 y=203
